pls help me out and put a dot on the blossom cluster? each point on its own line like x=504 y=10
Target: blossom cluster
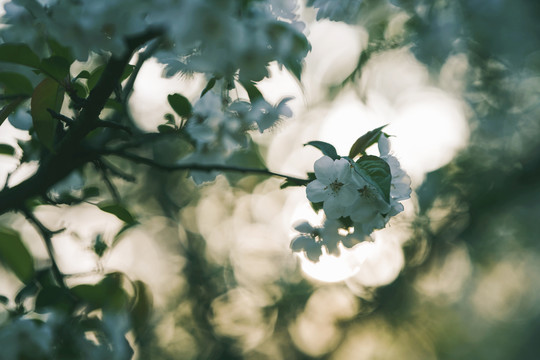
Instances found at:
x=354 y=201
x=219 y=128
x=215 y=37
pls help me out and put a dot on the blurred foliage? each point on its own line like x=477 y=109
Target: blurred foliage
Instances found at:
x=471 y=284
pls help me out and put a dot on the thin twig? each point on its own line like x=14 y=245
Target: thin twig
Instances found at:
x=47 y=235
x=63 y=118
x=142 y=57
x=112 y=188
x=113 y=170
x=205 y=167
x=113 y=125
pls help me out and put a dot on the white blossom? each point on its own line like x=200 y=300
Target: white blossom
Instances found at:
x=334 y=186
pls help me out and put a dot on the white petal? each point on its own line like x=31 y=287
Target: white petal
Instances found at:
x=347 y=195
x=316 y=191
x=324 y=170
x=342 y=170
x=384 y=145
x=363 y=214
x=301 y=242
x=333 y=208
x=304 y=227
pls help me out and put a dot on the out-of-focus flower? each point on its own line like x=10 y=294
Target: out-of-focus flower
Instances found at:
x=337 y=10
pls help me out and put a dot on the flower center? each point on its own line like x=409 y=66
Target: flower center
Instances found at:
x=335 y=186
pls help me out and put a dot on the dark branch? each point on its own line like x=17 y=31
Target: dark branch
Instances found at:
x=113 y=125
x=47 y=235
x=205 y=167
x=71 y=152
x=63 y=118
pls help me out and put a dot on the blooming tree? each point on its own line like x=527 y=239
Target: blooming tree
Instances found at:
x=68 y=71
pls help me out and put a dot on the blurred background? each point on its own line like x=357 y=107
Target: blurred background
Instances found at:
x=455 y=276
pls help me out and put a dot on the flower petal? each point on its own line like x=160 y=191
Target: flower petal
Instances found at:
x=324 y=170
x=347 y=195
x=304 y=227
x=316 y=191
x=333 y=208
x=342 y=170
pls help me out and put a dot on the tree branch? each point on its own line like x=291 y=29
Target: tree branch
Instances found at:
x=70 y=153
x=204 y=167
x=47 y=235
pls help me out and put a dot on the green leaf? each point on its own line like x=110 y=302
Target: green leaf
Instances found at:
x=106 y=294
x=127 y=72
x=365 y=141
x=253 y=93
x=83 y=75
x=375 y=171
x=16 y=84
x=209 y=86
x=47 y=95
x=170 y=119
x=54 y=298
x=15 y=256
x=121 y=232
x=117 y=210
x=4 y=300
x=60 y=50
x=326 y=148
x=94 y=76
x=90 y=192
x=291 y=182
x=180 y=105
x=18 y=54
x=56 y=67
x=166 y=129
x=6 y=149
x=94 y=295
x=141 y=310
x=9 y=108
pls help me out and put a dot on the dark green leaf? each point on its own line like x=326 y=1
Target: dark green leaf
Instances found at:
x=180 y=105
x=93 y=295
x=90 y=191
x=317 y=206
x=4 y=300
x=122 y=231
x=60 y=50
x=142 y=308
x=83 y=75
x=127 y=72
x=54 y=298
x=326 y=148
x=6 y=149
x=56 y=67
x=170 y=119
x=375 y=171
x=117 y=210
x=165 y=129
x=94 y=76
x=15 y=256
x=26 y=292
x=209 y=86
x=9 y=108
x=15 y=83
x=253 y=93
x=365 y=141
x=80 y=89
x=292 y=182
x=47 y=95
x=18 y=54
